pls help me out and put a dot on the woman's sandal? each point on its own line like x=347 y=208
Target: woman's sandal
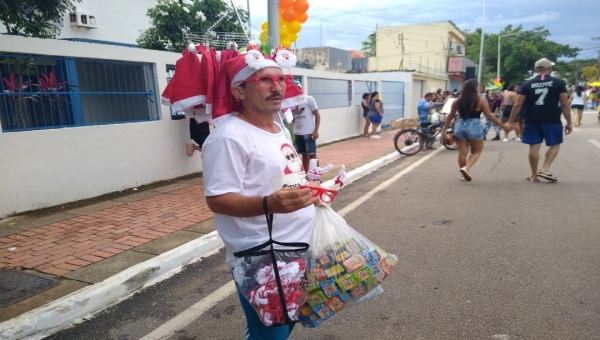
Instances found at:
x=548 y=177
x=528 y=178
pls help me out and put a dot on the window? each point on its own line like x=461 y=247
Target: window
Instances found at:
x=41 y=92
x=72 y=17
x=459 y=49
x=450 y=43
x=329 y=93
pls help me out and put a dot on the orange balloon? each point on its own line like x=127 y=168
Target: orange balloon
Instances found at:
x=301 y=6
x=284 y=4
x=302 y=17
x=289 y=15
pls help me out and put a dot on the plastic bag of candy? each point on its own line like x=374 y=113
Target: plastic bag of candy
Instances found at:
x=344 y=269
x=271 y=276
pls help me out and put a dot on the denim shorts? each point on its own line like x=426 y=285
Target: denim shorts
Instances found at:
x=470 y=129
x=306 y=145
x=375 y=119
x=577 y=107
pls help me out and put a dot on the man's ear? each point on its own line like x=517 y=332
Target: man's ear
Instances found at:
x=238 y=92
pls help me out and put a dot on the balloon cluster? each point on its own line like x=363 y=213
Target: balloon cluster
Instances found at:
x=292 y=14
x=498 y=82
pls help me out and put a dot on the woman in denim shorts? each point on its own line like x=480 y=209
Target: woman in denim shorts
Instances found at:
x=468 y=128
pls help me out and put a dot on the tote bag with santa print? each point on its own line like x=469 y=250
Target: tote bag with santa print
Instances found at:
x=271 y=276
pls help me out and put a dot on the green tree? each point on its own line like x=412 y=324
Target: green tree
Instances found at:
x=171 y=19
x=588 y=74
x=34 y=18
x=369 y=46
x=518 y=52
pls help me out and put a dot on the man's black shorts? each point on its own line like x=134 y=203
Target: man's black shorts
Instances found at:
x=199 y=132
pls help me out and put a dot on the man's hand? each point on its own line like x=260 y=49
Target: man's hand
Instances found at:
x=290 y=200
x=508 y=127
x=568 y=128
x=315 y=135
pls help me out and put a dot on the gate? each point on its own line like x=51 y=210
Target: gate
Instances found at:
x=392 y=93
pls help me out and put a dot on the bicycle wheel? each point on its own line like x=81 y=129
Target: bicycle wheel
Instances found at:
x=452 y=146
x=408 y=142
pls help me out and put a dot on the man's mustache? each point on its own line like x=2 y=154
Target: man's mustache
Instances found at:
x=275 y=95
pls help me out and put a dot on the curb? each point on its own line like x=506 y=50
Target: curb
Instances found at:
x=59 y=314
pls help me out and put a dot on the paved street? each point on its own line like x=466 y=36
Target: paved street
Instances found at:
x=497 y=258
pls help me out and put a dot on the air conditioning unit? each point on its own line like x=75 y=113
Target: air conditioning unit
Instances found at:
x=82 y=19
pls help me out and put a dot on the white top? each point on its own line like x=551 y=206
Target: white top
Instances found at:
x=577 y=100
x=240 y=158
x=304 y=118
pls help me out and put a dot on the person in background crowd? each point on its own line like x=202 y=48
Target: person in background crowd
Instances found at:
x=375 y=113
x=468 y=129
x=510 y=95
x=425 y=105
x=593 y=96
x=445 y=95
x=198 y=133
x=366 y=98
x=577 y=100
x=494 y=102
x=545 y=98
x=307 y=120
x=455 y=93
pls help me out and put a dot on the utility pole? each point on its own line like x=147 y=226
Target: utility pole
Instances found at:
x=481 y=44
x=402 y=51
x=597 y=66
x=273 y=18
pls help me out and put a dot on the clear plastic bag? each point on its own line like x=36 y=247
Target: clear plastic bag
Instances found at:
x=344 y=269
x=271 y=276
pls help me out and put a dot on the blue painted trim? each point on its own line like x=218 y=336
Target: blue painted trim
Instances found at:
x=101 y=42
x=76 y=103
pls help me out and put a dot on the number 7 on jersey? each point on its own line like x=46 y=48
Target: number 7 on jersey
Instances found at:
x=542 y=93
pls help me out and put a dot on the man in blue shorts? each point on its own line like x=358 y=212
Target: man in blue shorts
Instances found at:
x=306 y=128
x=540 y=97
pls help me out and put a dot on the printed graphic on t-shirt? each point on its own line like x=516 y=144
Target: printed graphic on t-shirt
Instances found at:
x=293 y=174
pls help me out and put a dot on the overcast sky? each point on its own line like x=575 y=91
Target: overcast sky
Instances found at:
x=345 y=23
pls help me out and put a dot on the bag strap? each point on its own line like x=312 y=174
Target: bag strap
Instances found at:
x=274 y=260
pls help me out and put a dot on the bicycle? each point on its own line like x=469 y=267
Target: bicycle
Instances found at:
x=410 y=141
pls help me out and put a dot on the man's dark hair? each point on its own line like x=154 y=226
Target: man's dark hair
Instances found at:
x=429 y=94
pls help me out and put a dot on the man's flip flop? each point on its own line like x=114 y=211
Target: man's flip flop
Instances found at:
x=548 y=177
x=531 y=179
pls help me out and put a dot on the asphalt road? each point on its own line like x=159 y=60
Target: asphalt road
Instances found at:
x=496 y=258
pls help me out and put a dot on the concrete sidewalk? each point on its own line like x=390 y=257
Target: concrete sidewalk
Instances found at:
x=88 y=244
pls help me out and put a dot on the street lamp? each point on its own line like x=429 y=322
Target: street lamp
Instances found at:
x=500 y=46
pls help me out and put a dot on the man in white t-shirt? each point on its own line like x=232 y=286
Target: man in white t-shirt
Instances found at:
x=248 y=157
x=306 y=128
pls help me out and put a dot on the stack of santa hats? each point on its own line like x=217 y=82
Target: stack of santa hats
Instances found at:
x=201 y=86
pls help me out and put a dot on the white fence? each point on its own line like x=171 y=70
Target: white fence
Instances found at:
x=47 y=167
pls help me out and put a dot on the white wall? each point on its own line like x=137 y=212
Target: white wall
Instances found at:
x=43 y=168
x=116 y=20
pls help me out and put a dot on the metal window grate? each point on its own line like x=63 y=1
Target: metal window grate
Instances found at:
x=330 y=93
x=362 y=87
x=41 y=92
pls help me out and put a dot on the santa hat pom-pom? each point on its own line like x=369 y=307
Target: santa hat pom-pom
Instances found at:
x=255 y=43
x=192 y=48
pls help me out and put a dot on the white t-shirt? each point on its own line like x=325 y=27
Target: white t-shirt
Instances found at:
x=241 y=158
x=577 y=100
x=304 y=118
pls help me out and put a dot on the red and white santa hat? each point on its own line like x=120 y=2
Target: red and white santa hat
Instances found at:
x=241 y=67
x=192 y=86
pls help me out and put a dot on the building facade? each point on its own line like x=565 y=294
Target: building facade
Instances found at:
x=113 y=21
x=325 y=58
x=422 y=48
